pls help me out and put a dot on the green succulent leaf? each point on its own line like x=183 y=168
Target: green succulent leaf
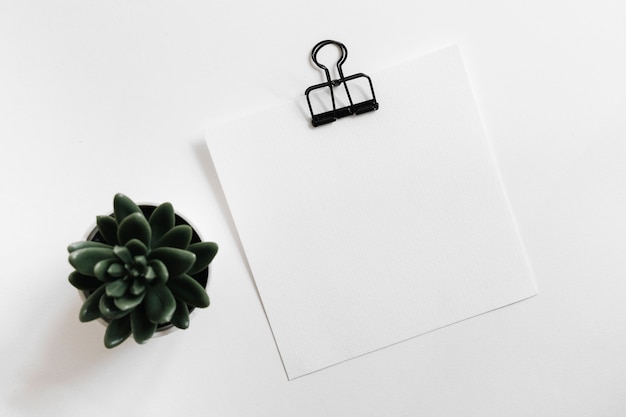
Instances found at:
x=123 y=254
x=141 y=326
x=138 y=287
x=90 y=309
x=108 y=308
x=108 y=229
x=188 y=290
x=117 y=331
x=134 y=226
x=101 y=269
x=161 y=221
x=123 y=207
x=84 y=260
x=86 y=244
x=180 y=318
x=159 y=270
x=177 y=261
x=129 y=301
x=116 y=270
x=84 y=282
x=159 y=303
x=117 y=288
x=149 y=274
x=205 y=252
x=177 y=237
x=136 y=247
x=140 y=260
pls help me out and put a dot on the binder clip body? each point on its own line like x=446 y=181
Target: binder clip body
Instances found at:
x=336 y=113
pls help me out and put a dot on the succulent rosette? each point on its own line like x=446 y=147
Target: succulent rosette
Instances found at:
x=141 y=272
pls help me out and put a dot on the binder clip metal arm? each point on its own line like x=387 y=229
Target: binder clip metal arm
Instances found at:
x=336 y=113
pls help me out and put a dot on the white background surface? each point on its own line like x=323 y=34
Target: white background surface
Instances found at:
x=100 y=97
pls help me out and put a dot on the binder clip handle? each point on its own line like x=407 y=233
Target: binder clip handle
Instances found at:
x=336 y=113
x=342 y=59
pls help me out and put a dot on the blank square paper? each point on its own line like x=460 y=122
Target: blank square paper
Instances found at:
x=376 y=228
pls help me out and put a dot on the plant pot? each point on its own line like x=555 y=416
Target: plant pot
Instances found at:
x=201 y=277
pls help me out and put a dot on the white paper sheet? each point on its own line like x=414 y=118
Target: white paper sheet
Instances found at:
x=376 y=228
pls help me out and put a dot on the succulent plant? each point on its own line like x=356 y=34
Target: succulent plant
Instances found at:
x=140 y=273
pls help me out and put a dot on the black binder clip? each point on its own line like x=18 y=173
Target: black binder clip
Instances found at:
x=335 y=113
